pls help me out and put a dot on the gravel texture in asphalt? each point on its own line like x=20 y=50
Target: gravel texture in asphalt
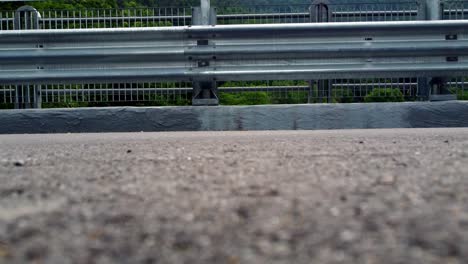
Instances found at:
x=349 y=196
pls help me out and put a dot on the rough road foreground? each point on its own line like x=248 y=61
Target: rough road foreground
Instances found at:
x=364 y=196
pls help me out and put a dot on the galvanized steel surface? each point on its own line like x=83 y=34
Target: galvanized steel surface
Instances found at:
x=235 y=52
x=225 y=57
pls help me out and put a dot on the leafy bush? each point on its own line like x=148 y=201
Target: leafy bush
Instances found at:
x=384 y=95
x=462 y=95
x=342 y=96
x=244 y=98
x=6 y=106
x=259 y=98
x=294 y=97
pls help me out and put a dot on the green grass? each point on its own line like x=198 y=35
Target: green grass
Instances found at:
x=342 y=96
x=244 y=98
x=384 y=95
x=462 y=95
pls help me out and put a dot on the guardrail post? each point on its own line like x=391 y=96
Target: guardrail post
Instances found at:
x=204 y=14
x=37 y=102
x=27 y=17
x=18 y=105
x=205 y=11
x=320 y=12
x=433 y=10
x=205 y=92
x=310 y=92
x=434 y=88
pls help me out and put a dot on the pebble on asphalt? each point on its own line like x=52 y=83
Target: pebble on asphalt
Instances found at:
x=19 y=163
x=387 y=179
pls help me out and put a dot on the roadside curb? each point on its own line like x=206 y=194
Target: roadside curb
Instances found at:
x=236 y=118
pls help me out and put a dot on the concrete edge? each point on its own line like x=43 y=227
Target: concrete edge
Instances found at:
x=224 y=118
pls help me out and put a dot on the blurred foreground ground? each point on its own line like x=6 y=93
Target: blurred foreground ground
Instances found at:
x=362 y=196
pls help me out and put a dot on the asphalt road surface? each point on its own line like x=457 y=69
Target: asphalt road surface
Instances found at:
x=363 y=196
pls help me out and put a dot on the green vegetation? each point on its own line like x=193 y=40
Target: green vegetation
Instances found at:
x=86 y=4
x=384 y=95
x=262 y=98
x=6 y=106
x=342 y=96
x=259 y=98
x=254 y=97
x=461 y=94
x=263 y=83
x=245 y=98
x=299 y=97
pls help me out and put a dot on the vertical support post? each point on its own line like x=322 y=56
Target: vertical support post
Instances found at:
x=433 y=10
x=310 y=93
x=205 y=92
x=434 y=88
x=27 y=17
x=329 y=86
x=320 y=12
x=37 y=103
x=205 y=12
x=18 y=95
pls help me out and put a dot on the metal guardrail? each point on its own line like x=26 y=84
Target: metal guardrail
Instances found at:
x=241 y=52
x=210 y=54
x=250 y=59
